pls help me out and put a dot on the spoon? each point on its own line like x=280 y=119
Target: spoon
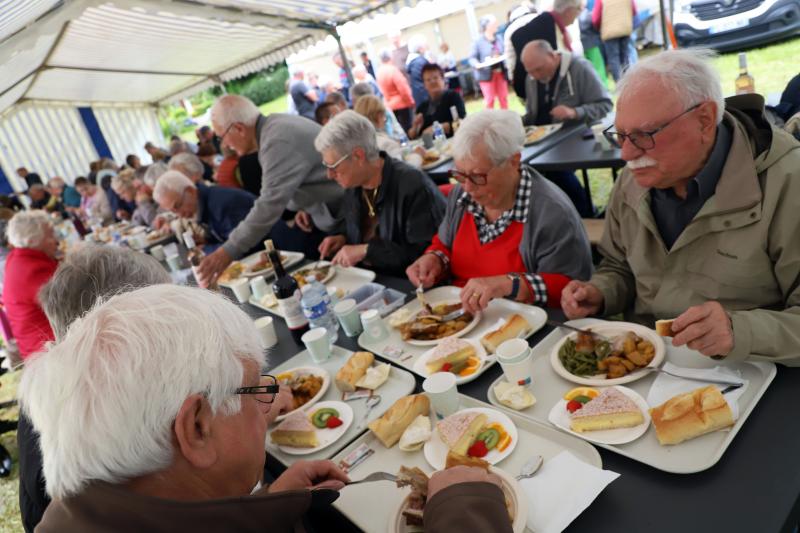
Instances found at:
x=372 y=401
x=530 y=468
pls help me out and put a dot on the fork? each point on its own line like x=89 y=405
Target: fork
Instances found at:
x=557 y=324
x=445 y=318
x=375 y=476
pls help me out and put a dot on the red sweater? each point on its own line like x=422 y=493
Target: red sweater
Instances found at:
x=26 y=271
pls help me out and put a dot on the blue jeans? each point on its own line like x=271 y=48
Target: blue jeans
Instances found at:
x=617 y=55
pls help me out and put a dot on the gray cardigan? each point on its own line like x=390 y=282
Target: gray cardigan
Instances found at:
x=553 y=240
x=292 y=177
x=578 y=87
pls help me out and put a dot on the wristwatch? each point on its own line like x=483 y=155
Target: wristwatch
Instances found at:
x=514 y=277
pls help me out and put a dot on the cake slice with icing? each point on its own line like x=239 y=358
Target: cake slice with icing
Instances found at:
x=611 y=409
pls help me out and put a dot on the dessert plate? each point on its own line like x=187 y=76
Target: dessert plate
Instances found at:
x=326 y=436
x=421 y=368
x=436 y=450
x=559 y=417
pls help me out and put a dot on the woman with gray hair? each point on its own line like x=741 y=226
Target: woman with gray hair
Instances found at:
x=29 y=265
x=391 y=210
x=154 y=424
x=528 y=236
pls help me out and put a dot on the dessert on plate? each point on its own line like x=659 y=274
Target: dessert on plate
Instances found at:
x=295 y=431
x=611 y=409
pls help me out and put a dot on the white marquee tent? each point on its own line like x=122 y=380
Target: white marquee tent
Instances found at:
x=83 y=77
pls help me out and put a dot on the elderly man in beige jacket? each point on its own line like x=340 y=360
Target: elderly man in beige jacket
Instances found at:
x=703 y=223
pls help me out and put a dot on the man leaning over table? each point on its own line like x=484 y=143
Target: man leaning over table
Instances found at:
x=703 y=223
x=292 y=178
x=167 y=449
x=507 y=232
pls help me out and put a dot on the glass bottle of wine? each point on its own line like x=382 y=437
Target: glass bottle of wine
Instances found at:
x=745 y=84
x=287 y=292
x=195 y=256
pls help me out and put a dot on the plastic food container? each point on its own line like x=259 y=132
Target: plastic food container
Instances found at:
x=376 y=296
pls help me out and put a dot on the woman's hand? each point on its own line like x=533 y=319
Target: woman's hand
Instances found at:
x=425 y=270
x=478 y=292
x=350 y=255
x=331 y=245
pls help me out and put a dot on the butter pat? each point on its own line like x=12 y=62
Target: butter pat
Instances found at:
x=416 y=434
x=514 y=396
x=374 y=377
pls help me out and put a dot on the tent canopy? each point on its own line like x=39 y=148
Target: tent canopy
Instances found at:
x=154 y=51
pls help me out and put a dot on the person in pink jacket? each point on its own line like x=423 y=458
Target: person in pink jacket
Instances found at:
x=396 y=90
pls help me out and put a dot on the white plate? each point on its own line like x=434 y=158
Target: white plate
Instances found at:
x=559 y=417
x=316 y=371
x=475 y=319
x=326 y=437
x=436 y=450
x=326 y=279
x=518 y=506
x=288 y=259
x=611 y=329
x=480 y=351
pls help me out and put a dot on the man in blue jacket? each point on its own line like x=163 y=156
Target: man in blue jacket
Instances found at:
x=218 y=209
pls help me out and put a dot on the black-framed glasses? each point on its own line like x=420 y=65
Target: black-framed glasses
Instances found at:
x=461 y=177
x=643 y=140
x=264 y=392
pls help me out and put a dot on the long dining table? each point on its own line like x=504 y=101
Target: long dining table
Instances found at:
x=755 y=487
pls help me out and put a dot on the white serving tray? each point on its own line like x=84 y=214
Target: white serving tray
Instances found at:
x=369 y=506
x=496 y=310
x=289 y=260
x=549 y=129
x=686 y=458
x=399 y=384
x=347 y=278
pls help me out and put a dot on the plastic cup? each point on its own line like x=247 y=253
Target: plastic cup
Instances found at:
x=174 y=262
x=259 y=287
x=516 y=360
x=241 y=289
x=266 y=331
x=373 y=326
x=599 y=138
x=318 y=344
x=157 y=251
x=347 y=314
x=443 y=393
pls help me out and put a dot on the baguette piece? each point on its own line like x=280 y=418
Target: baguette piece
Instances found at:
x=353 y=370
x=391 y=426
x=664 y=327
x=513 y=328
x=690 y=415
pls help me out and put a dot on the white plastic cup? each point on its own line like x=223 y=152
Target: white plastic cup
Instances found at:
x=373 y=325
x=443 y=393
x=174 y=262
x=318 y=344
x=157 y=251
x=599 y=138
x=241 y=289
x=347 y=314
x=266 y=331
x=516 y=360
x=259 y=287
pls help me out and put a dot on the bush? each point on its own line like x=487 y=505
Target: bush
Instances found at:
x=261 y=87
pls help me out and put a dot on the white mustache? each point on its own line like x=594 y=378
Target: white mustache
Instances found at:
x=642 y=162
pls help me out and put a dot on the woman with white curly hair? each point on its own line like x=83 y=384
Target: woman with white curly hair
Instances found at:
x=30 y=265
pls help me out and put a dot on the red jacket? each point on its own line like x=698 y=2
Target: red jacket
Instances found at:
x=395 y=88
x=26 y=271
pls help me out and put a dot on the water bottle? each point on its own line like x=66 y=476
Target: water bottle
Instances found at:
x=404 y=146
x=317 y=307
x=439 y=137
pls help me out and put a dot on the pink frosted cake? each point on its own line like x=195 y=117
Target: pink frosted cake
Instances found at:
x=611 y=409
x=459 y=430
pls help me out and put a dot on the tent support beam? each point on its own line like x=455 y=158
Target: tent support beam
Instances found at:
x=126 y=71
x=345 y=62
x=46 y=59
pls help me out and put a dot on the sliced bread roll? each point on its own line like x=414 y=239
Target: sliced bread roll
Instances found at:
x=390 y=427
x=353 y=370
x=690 y=415
x=514 y=327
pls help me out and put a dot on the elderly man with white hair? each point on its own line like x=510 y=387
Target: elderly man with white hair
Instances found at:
x=219 y=210
x=29 y=265
x=87 y=274
x=391 y=209
x=292 y=178
x=179 y=414
x=702 y=225
x=525 y=231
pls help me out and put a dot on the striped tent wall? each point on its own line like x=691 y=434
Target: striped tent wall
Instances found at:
x=126 y=130
x=49 y=140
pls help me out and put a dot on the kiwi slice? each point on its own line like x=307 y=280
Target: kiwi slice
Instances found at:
x=321 y=416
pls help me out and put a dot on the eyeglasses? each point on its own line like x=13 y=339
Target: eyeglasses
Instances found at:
x=332 y=167
x=643 y=140
x=222 y=137
x=461 y=177
x=264 y=392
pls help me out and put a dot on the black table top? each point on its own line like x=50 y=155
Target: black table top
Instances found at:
x=528 y=152
x=755 y=487
x=575 y=152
